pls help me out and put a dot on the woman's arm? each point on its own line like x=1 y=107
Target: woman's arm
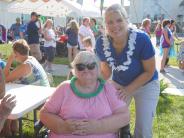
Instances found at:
x=8 y=64
x=2 y=121
x=105 y=70
x=149 y=69
x=166 y=37
x=81 y=37
x=18 y=72
x=56 y=123
x=2 y=84
x=113 y=123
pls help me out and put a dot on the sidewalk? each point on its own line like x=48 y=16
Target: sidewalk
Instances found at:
x=174 y=77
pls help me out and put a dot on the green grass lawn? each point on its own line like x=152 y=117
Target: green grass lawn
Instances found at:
x=61 y=60
x=6 y=50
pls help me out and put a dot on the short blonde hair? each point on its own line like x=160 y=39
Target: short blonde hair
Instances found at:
x=85 y=57
x=21 y=47
x=87 y=40
x=145 y=22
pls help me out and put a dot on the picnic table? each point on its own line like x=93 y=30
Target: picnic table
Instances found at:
x=29 y=98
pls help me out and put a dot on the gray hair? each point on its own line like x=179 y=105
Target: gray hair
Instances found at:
x=117 y=8
x=85 y=57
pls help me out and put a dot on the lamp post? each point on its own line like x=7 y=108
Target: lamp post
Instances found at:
x=122 y=2
x=101 y=6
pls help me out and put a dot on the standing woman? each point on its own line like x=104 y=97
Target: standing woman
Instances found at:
x=94 y=27
x=49 y=44
x=158 y=33
x=172 y=52
x=165 y=43
x=72 y=33
x=128 y=56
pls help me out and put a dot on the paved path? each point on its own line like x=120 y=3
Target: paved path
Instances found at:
x=174 y=77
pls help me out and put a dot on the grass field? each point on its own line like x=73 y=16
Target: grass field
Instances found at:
x=169 y=119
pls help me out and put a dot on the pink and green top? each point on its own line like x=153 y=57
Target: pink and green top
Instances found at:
x=68 y=105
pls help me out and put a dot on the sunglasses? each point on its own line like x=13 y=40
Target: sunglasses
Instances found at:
x=81 y=66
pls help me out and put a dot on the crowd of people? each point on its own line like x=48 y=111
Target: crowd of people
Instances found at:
x=110 y=65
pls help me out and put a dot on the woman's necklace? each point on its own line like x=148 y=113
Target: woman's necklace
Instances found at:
x=131 y=46
x=86 y=95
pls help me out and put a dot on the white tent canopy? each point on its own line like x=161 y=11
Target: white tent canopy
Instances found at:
x=54 y=8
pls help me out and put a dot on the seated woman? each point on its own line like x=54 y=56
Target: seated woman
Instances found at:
x=85 y=106
x=29 y=71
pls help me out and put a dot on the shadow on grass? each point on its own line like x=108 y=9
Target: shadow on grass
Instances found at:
x=164 y=104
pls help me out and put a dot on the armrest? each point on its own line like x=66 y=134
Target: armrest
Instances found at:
x=38 y=125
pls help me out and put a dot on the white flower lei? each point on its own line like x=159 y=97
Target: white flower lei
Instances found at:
x=131 y=46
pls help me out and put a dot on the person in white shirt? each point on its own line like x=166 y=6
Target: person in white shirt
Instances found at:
x=85 y=31
x=49 y=44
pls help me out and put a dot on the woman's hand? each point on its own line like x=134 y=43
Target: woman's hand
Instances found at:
x=70 y=126
x=123 y=94
x=7 y=105
x=86 y=127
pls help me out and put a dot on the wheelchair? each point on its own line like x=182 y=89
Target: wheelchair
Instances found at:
x=42 y=132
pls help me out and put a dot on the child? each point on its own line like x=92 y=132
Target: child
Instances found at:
x=88 y=44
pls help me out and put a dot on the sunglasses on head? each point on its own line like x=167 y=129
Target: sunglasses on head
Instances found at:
x=81 y=66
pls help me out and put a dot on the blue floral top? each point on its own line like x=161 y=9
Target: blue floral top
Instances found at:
x=38 y=75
